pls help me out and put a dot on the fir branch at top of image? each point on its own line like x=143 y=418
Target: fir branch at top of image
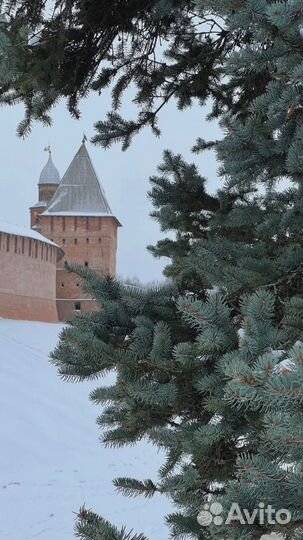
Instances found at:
x=166 y=50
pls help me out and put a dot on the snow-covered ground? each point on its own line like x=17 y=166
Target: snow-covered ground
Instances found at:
x=51 y=461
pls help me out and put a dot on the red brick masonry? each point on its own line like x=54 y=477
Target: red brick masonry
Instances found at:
x=86 y=240
x=27 y=278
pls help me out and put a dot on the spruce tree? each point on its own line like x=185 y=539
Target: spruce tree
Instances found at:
x=212 y=373
x=183 y=207
x=165 y=49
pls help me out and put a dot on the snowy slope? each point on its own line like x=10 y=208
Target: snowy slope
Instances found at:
x=51 y=461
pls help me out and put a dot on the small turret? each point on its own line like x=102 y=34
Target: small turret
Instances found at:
x=48 y=184
x=49 y=180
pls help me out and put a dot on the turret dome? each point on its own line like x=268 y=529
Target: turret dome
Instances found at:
x=49 y=173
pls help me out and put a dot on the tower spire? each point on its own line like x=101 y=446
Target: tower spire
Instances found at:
x=80 y=192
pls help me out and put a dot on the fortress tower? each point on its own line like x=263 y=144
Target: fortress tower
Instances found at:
x=76 y=216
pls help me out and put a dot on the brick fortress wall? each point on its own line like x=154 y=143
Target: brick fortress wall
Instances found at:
x=27 y=279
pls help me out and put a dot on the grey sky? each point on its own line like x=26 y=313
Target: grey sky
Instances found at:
x=124 y=175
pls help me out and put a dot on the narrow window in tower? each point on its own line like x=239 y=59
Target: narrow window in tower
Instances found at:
x=16 y=244
x=36 y=250
x=86 y=263
x=87 y=240
x=42 y=250
x=75 y=224
x=52 y=223
x=76 y=241
x=46 y=252
x=7 y=242
x=30 y=248
x=23 y=245
x=77 y=306
x=63 y=223
x=62 y=284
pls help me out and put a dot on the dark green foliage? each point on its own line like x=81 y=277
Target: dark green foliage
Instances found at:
x=165 y=49
x=182 y=207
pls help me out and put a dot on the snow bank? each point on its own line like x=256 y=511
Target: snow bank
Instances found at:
x=51 y=460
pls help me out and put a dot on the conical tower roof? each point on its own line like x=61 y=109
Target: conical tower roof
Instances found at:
x=80 y=192
x=49 y=173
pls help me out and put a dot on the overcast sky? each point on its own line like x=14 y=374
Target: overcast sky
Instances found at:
x=124 y=175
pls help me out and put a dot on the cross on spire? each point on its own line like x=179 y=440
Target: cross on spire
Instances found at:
x=48 y=149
